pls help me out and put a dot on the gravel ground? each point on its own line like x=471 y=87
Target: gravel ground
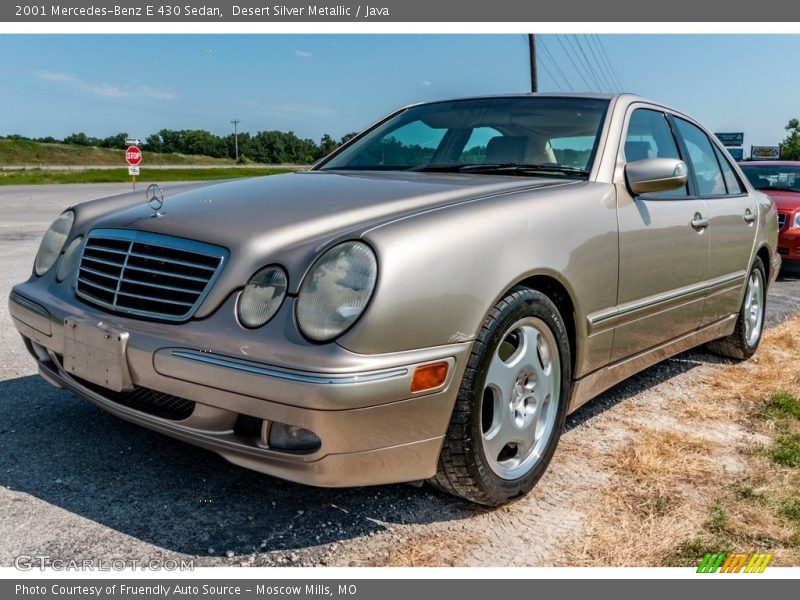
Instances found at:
x=76 y=483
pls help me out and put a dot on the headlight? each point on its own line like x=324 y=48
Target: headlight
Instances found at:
x=69 y=260
x=797 y=219
x=336 y=290
x=262 y=296
x=53 y=242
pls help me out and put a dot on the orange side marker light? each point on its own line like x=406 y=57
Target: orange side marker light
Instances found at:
x=428 y=377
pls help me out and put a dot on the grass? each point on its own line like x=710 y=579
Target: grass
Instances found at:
x=791 y=510
x=781 y=406
x=719 y=472
x=719 y=518
x=36 y=176
x=746 y=492
x=786 y=451
x=28 y=152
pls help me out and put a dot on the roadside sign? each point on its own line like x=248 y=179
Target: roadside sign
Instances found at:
x=133 y=142
x=731 y=139
x=133 y=155
x=765 y=152
x=133 y=171
x=736 y=153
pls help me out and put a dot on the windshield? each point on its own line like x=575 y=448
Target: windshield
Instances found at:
x=547 y=136
x=773 y=177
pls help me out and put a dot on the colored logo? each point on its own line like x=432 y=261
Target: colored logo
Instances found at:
x=730 y=562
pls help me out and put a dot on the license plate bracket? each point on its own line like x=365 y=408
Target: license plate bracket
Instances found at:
x=96 y=351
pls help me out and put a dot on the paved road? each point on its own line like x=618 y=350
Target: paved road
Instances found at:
x=76 y=483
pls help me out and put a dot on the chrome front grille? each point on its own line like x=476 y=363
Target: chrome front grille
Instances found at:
x=147 y=274
x=781 y=220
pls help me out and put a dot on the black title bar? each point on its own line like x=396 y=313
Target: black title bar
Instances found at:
x=454 y=11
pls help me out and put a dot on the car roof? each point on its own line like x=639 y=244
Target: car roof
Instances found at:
x=592 y=96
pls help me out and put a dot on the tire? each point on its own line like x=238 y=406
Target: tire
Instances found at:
x=511 y=404
x=746 y=336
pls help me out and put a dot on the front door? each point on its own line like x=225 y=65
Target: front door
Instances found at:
x=663 y=247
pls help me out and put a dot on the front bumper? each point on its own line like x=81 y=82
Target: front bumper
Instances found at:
x=789 y=244
x=372 y=428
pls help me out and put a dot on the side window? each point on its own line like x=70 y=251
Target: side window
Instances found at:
x=650 y=136
x=731 y=180
x=702 y=159
x=411 y=144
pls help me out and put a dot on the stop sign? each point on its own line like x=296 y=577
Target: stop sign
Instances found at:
x=133 y=155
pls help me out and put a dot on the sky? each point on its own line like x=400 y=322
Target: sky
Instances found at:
x=54 y=85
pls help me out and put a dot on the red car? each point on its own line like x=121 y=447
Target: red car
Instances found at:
x=780 y=179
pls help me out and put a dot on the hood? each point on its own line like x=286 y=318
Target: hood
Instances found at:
x=299 y=206
x=785 y=201
x=288 y=219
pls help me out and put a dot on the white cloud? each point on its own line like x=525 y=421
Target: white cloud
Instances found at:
x=303 y=54
x=108 y=90
x=425 y=83
x=51 y=76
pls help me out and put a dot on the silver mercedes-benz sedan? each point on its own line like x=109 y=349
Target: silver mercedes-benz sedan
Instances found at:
x=428 y=302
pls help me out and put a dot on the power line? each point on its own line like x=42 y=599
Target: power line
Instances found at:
x=600 y=68
x=582 y=55
x=610 y=65
x=574 y=66
x=604 y=69
x=601 y=61
x=546 y=53
x=598 y=40
x=546 y=70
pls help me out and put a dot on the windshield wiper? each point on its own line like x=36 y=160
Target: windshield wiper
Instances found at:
x=501 y=168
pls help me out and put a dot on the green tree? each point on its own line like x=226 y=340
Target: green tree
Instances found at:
x=791 y=144
x=81 y=139
x=327 y=145
x=153 y=143
x=116 y=141
x=200 y=141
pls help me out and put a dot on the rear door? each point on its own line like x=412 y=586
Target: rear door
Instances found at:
x=663 y=246
x=731 y=215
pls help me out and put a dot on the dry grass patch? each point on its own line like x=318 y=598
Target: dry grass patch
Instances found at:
x=431 y=549
x=671 y=500
x=737 y=389
x=750 y=516
x=768 y=373
x=649 y=508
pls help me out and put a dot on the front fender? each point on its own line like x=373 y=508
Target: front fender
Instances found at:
x=441 y=271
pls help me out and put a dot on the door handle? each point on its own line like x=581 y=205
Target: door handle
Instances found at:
x=749 y=217
x=699 y=221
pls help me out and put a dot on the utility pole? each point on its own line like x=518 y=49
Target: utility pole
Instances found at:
x=532 y=51
x=236 y=138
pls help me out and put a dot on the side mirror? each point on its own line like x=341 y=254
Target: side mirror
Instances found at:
x=656 y=175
